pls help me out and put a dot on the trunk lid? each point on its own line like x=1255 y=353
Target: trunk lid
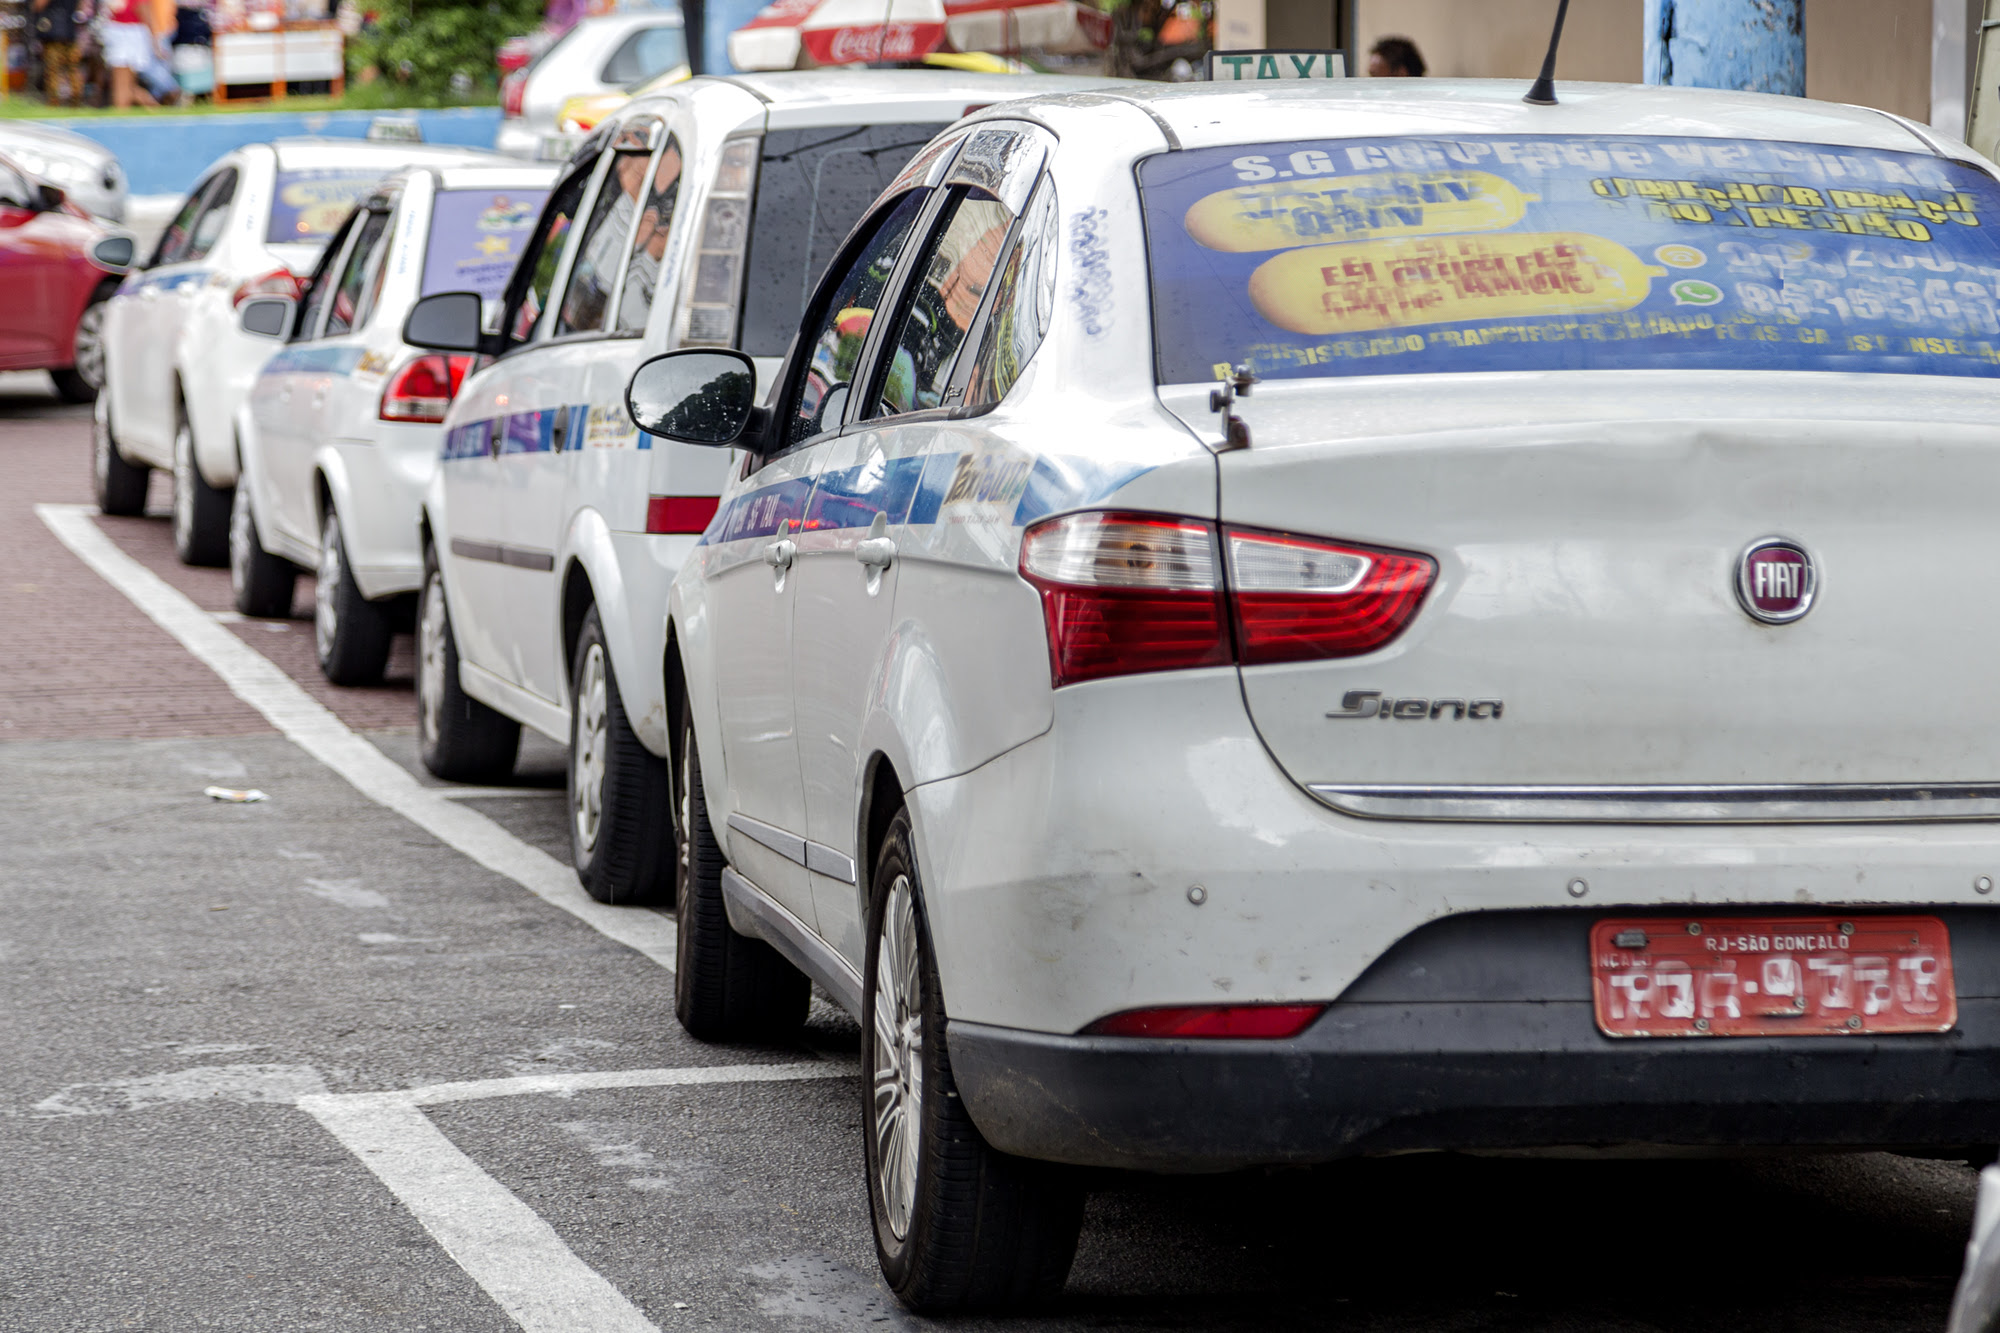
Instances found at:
x=1587 y=530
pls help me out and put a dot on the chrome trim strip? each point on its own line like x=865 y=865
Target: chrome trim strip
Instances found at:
x=495 y=553
x=788 y=845
x=823 y=860
x=755 y=913
x=1828 y=803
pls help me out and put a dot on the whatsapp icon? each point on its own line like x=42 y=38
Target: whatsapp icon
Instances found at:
x=1693 y=291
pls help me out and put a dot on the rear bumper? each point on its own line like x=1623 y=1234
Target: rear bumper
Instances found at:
x=1441 y=1047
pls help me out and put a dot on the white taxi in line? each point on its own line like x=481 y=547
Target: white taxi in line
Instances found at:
x=176 y=364
x=700 y=216
x=338 y=435
x=1318 y=621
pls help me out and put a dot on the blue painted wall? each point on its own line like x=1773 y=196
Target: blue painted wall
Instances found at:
x=1749 y=45
x=165 y=154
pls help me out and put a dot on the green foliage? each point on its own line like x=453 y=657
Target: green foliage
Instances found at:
x=419 y=44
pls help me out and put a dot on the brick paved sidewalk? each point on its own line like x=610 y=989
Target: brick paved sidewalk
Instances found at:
x=78 y=660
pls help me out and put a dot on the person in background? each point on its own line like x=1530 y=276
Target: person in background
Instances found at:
x=55 y=24
x=1395 y=58
x=128 y=48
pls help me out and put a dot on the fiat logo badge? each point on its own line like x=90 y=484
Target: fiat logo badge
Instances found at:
x=1776 y=580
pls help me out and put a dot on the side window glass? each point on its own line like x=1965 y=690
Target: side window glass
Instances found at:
x=938 y=312
x=529 y=291
x=649 y=241
x=831 y=342
x=345 y=311
x=320 y=285
x=214 y=215
x=1024 y=305
x=174 y=240
x=645 y=53
x=587 y=300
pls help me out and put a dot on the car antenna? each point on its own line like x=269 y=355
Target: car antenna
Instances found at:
x=1544 y=91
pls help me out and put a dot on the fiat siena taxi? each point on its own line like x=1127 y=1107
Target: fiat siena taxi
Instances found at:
x=1264 y=626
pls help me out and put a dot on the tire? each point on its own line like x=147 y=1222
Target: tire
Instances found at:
x=621 y=837
x=201 y=511
x=85 y=376
x=350 y=632
x=458 y=738
x=958 y=1225
x=120 y=486
x=261 y=583
x=726 y=986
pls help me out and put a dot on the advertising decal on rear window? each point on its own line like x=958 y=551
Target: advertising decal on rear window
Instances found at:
x=476 y=235
x=308 y=205
x=1565 y=252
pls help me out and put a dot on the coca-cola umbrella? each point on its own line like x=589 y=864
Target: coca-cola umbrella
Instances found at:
x=790 y=33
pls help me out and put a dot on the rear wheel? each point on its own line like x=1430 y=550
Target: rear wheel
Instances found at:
x=620 y=796
x=201 y=511
x=120 y=486
x=726 y=986
x=351 y=633
x=958 y=1225
x=262 y=583
x=80 y=383
x=458 y=738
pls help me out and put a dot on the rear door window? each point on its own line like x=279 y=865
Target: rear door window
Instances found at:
x=475 y=238
x=1566 y=252
x=214 y=214
x=649 y=241
x=587 y=300
x=645 y=53
x=345 y=311
x=308 y=205
x=945 y=296
x=812 y=187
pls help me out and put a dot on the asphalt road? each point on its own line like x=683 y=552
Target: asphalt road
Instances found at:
x=197 y=994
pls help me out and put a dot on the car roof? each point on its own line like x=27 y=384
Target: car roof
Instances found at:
x=887 y=87
x=316 y=154
x=514 y=176
x=53 y=137
x=1199 y=115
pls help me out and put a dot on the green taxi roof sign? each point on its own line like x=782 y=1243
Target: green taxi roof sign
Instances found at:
x=1268 y=65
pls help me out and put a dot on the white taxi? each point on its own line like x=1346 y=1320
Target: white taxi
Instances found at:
x=338 y=435
x=176 y=364
x=1262 y=626
x=700 y=216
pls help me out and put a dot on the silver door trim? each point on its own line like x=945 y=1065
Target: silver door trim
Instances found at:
x=1825 y=803
x=788 y=845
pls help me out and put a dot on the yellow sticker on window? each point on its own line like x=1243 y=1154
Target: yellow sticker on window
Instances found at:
x=1364 y=285
x=1278 y=214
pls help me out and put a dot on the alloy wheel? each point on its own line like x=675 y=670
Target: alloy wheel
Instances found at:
x=431 y=629
x=326 y=610
x=90 y=345
x=183 y=487
x=587 y=750
x=899 y=1056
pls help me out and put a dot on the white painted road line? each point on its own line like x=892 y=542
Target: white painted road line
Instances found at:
x=504 y=1246
x=309 y=725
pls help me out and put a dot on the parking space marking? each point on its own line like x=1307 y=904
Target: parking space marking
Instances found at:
x=500 y=1242
x=308 y=724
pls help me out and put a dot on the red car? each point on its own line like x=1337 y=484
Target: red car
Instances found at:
x=57 y=268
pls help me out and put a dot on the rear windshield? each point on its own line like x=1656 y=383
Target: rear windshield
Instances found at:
x=308 y=205
x=476 y=235
x=1569 y=252
x=812 y=187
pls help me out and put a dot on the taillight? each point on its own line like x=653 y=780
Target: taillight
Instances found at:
x=423 y=389
x=725 y=234
x=1298 y=598
x=680 y=513
x=513 y=92
x=1126 y=592
x=1267 y=1021
x=278 y=282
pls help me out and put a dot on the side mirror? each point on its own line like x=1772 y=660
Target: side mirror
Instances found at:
x=697 y=396
x=447 y=322
x=266 y=316
x=52 y=197
x=115 y=253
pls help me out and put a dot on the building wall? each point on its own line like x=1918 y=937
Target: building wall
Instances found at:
x=1872 y=52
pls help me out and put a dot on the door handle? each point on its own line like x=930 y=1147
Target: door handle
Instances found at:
x=778 y=555
x=876 y=552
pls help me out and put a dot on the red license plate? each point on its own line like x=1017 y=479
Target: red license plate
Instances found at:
x=1795 y=976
